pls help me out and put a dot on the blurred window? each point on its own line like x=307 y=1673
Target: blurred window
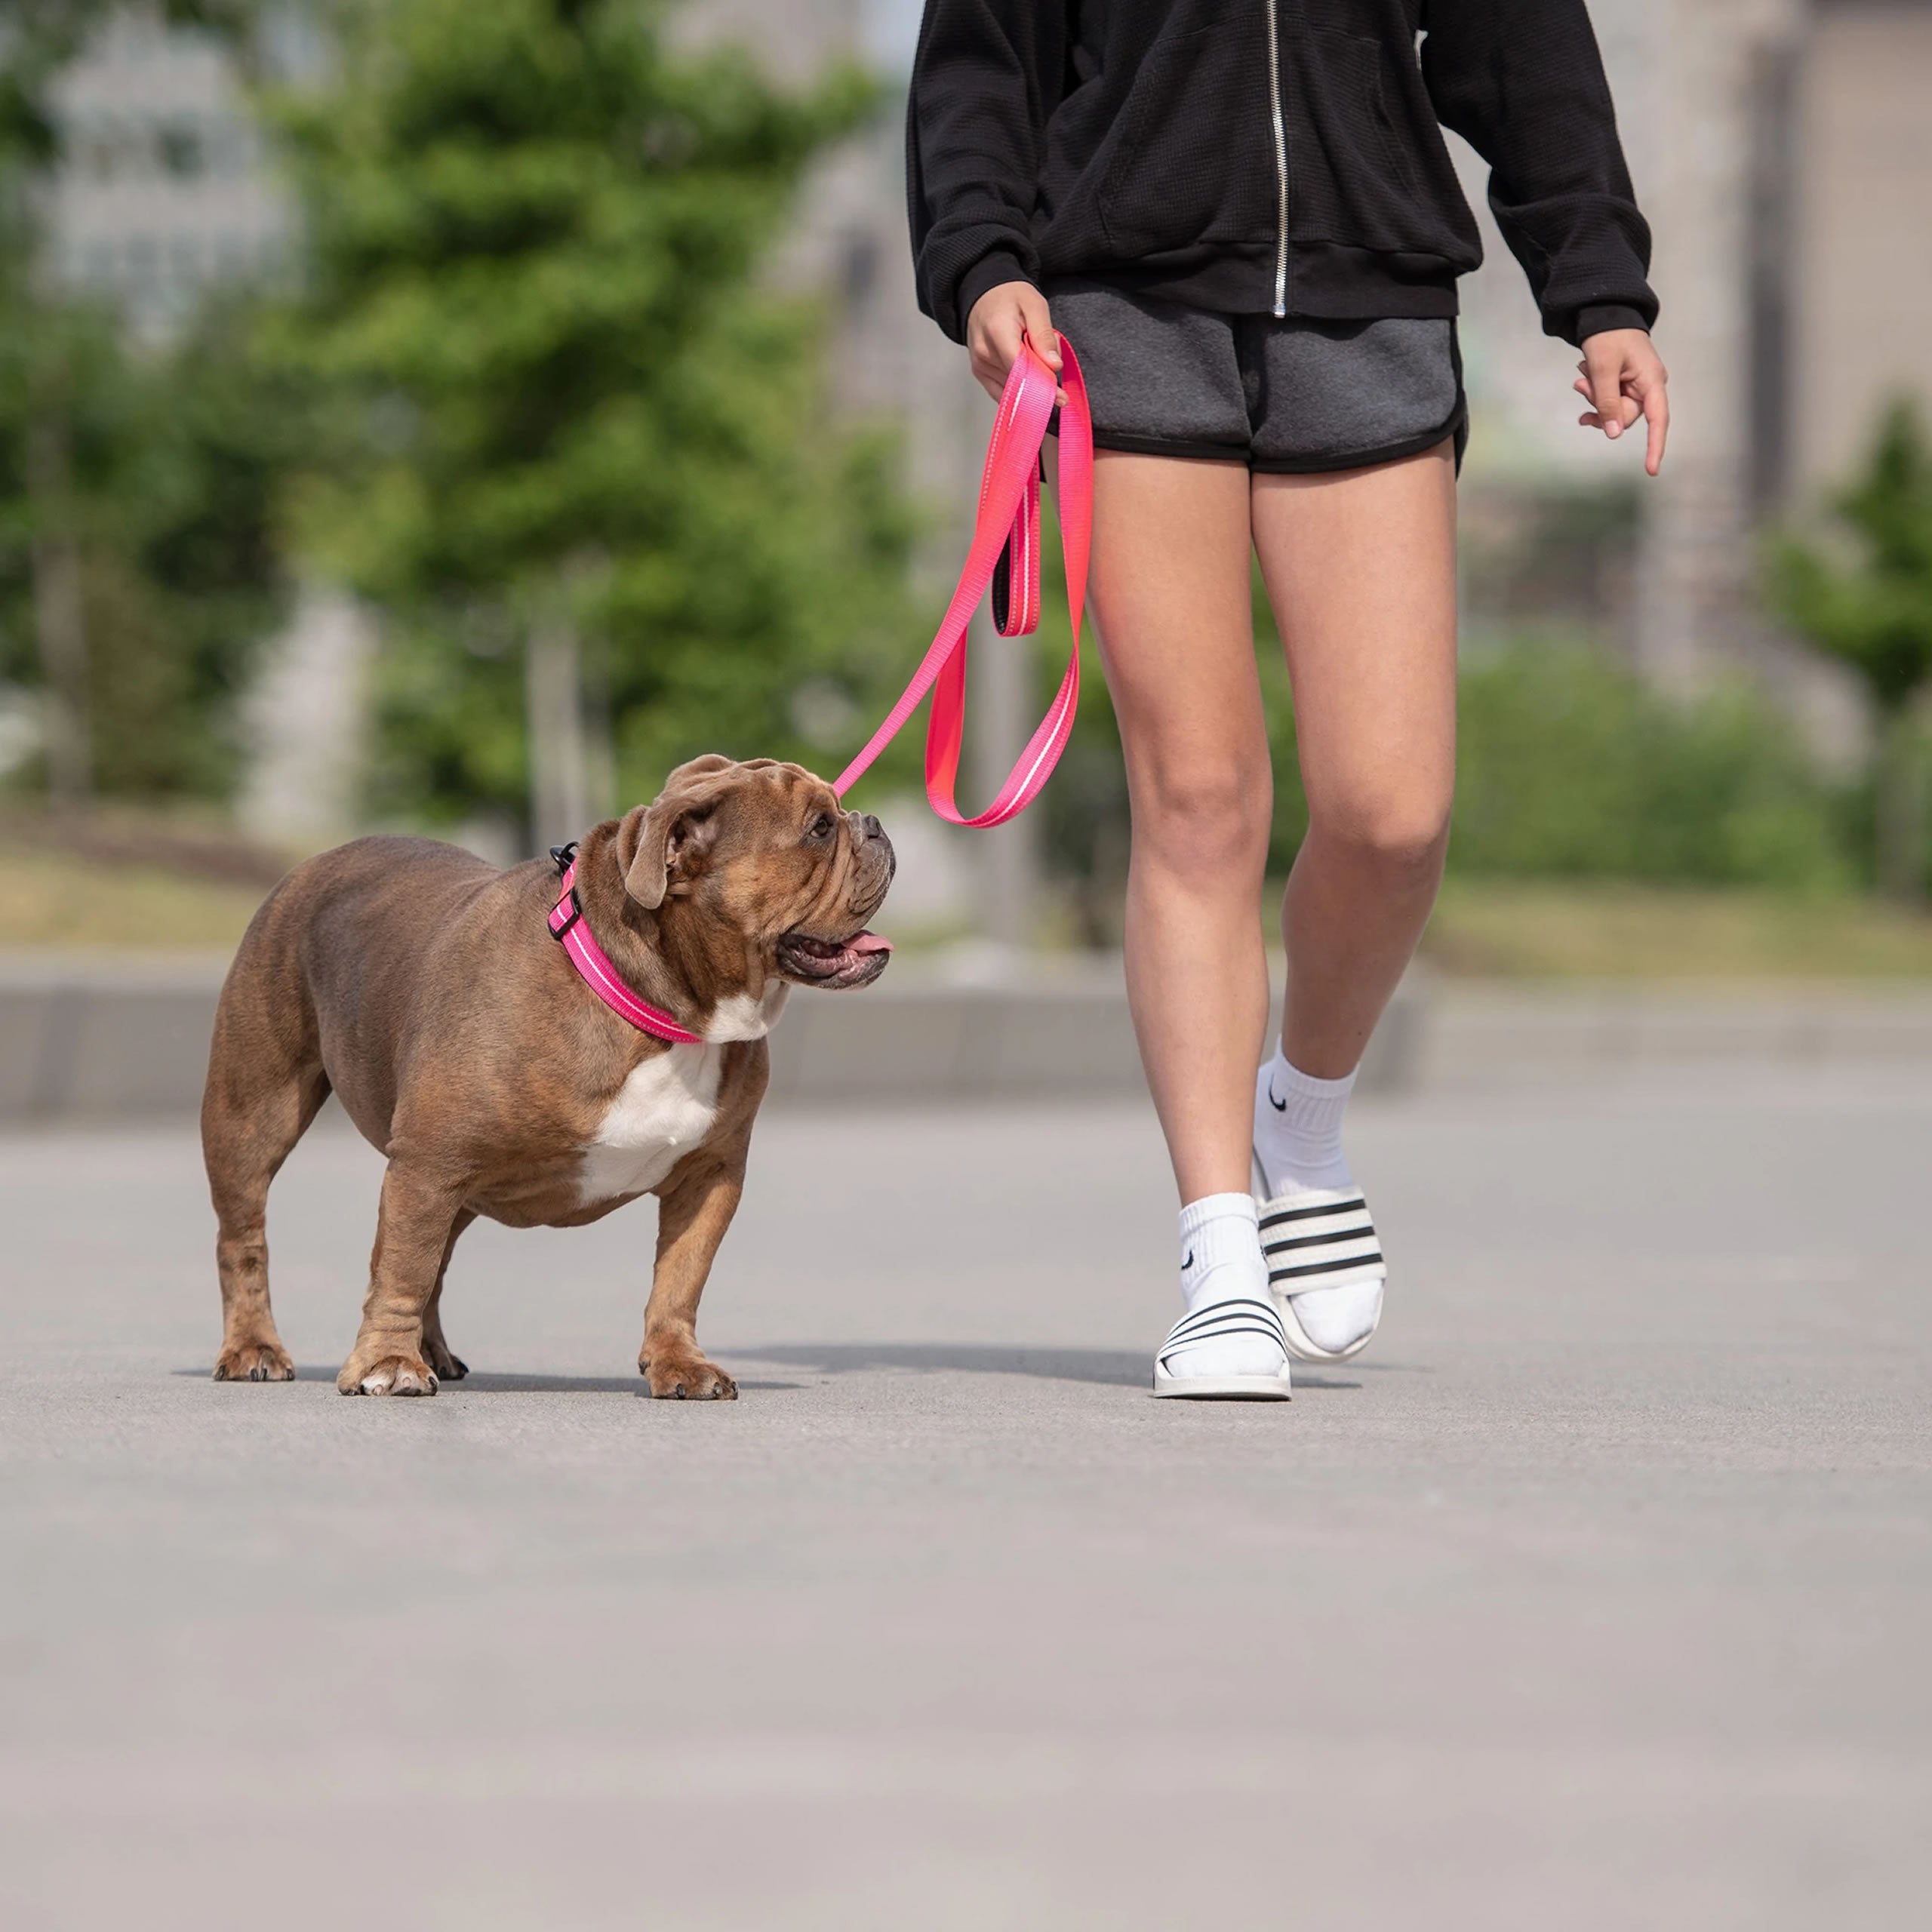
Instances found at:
x=181 y=149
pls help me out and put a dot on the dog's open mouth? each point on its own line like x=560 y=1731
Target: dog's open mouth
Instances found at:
x=835 y=963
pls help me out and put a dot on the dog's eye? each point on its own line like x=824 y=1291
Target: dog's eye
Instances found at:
x=822 y=827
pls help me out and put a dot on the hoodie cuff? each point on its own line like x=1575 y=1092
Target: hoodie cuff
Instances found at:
x=989 y=272
x=1605 y=316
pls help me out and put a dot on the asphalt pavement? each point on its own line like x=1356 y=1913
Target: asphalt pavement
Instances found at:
x=1596 y=1595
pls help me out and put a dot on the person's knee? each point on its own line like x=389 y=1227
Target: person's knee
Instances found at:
x=1206 y=817
x=1403 y=840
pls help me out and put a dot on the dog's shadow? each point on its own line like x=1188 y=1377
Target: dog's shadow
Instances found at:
x=484 y=1381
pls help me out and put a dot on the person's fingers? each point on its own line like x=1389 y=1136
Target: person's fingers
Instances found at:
x=1039 y=324
x=1040 y=333
x=1604 y=370
x=1657 y=410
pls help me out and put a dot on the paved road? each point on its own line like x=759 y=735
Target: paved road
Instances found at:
x=1596 y=1596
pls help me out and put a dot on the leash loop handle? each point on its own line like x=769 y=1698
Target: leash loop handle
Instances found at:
x=1006 y=544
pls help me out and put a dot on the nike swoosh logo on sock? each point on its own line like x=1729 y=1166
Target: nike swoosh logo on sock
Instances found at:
x=1189 y=1262
x=1280 y=1106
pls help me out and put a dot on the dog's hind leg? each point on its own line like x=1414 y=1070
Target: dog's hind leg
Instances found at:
x=449 y=1367
x=265 y=1083
x=415 y=1230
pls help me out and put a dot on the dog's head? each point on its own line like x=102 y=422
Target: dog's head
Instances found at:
x=765 y=850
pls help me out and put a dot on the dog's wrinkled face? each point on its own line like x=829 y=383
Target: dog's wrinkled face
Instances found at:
x=766 y=850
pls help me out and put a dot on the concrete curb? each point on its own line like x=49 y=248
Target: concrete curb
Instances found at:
x=112 y=1038
x=1494 y=1033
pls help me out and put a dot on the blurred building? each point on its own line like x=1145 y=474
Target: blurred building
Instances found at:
x=166 y=191
x=1782 y=150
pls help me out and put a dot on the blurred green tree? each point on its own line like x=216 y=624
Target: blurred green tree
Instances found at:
x=566 y=408
x=1873 y=612
x=137 y=565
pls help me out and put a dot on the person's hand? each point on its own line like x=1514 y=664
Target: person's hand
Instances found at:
x=1622 y=378
x=999 y=318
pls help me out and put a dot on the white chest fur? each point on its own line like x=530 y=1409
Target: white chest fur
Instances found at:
x=661 y=1113
x=666 y=1106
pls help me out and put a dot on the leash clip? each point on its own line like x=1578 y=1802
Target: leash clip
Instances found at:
x=561 y=857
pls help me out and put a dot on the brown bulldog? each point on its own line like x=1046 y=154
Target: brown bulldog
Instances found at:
x=424 y=988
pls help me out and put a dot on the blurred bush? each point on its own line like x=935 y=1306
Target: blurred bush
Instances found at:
x=1873 y=610
x=1568 y=766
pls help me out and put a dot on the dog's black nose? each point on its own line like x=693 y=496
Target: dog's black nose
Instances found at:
x=870 y=826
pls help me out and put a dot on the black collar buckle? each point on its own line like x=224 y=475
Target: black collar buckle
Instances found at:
x=574 y=917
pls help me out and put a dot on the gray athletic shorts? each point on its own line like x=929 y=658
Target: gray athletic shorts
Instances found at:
x=1294 y=395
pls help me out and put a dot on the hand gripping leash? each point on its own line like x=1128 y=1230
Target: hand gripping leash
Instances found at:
x=1008 y=533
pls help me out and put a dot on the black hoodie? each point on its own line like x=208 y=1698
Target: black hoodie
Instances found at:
x=1269 y=156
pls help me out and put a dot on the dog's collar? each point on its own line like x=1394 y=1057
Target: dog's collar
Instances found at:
x=569 y=928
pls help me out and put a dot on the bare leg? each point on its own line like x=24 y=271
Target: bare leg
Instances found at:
x=1361 y=569
x=414 y=1234
x=1172 y=551
x=692 y=1214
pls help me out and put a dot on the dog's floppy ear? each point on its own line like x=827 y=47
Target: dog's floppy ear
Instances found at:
x=679 y=828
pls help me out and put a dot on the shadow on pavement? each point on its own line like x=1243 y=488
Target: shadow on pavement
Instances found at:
x=1121 y=1368
x=485 y=1382
x=1117 y=1367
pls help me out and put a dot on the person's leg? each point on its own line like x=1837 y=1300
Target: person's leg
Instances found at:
x=1171 y=561
x=1360 y=567
x=1170 y=576
x=1360 y=570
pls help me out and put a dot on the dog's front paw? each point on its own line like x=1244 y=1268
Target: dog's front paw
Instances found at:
x=687 y=1378
x=392 y=1375
x=449 y=1366
x=255 y=1361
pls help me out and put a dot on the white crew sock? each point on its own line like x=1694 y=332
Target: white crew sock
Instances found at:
x=1221 y=1260
x=1298 y=1144
x=1298 y=1127
x=1220 y=1250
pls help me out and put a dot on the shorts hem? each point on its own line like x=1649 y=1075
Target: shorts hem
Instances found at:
x=1199 y=452
x=1456 y=426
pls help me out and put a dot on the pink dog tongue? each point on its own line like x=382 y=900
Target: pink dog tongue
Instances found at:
x=870 y=942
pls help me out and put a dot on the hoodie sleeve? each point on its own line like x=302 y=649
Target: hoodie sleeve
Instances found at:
x=1522 y=81
x=975 y=122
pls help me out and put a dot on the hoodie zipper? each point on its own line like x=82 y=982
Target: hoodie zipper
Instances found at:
x=1281 y=163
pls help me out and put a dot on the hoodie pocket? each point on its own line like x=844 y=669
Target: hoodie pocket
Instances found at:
x=1190 y=157
x=1352 y=174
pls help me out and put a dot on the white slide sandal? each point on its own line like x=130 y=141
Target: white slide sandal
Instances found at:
x=1247 y=1349
x=1317 y=1239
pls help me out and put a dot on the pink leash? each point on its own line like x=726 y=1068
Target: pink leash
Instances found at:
x=1008 y=531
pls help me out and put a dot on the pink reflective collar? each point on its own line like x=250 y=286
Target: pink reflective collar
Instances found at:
x=568 y=927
